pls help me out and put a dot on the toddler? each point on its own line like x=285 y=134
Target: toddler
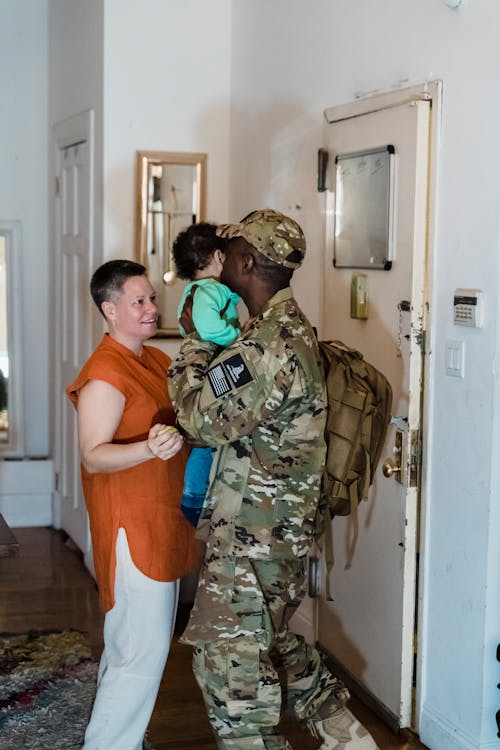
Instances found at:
x=199 y=257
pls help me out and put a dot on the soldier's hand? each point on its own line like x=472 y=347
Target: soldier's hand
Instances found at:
x=249 y=322
x=186 y=318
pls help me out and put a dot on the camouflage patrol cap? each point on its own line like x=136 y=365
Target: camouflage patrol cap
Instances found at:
x=273 y=234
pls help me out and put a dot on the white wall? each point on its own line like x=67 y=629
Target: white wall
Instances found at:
x=289 y=63
x=25 y=486
x=76 y=31
x=166 y=88
x=23 y=193
x=75 y=58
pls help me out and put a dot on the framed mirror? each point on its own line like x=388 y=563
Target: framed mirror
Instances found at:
x=11 y=411
x=364 y=209
x=170 y=195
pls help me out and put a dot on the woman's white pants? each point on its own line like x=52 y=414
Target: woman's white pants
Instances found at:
x=137 y=636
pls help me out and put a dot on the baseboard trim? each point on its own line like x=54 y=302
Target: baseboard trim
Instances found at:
x=26 y=492
x=437 y=731
x=26 y=510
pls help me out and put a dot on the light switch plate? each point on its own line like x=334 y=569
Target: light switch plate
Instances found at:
x=359 y=296
x=455 y=355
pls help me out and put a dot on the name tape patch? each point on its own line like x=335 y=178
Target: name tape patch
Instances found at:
x=229 y=374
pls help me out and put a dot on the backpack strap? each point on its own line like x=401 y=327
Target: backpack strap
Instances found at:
x=329 y=556
x=354 y=497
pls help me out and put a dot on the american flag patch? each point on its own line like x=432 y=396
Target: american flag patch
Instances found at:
x=218 y=380
x=232 y=372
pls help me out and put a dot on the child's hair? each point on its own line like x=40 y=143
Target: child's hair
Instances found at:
x=193 y=249
x=107 y=282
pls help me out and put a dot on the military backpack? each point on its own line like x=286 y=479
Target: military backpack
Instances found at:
x=359 y=411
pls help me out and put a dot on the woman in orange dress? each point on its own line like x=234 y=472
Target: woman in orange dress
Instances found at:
x=132 y=475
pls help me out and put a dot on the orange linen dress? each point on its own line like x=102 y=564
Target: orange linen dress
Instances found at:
x=144 y=499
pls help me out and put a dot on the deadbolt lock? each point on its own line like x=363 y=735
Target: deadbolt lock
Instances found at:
x=405 y=466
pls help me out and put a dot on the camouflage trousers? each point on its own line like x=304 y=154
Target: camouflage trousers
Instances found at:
x=246 y=662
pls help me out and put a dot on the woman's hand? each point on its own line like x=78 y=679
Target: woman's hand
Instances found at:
x=164 y=441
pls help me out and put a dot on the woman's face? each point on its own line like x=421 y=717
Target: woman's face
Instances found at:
x=134 y=315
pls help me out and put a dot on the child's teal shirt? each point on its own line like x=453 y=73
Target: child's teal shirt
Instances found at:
x=215 y=314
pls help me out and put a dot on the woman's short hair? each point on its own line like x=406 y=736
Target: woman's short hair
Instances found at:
x=107 y=281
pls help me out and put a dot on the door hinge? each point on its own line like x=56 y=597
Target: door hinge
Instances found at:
x=56 y=481
x=57 y=186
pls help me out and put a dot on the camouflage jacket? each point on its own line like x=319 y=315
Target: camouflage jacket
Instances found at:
x=261 y=403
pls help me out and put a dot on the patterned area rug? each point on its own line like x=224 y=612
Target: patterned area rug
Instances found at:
x=47 y=686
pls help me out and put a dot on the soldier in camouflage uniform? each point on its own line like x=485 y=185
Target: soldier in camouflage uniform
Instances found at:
x=261 y=403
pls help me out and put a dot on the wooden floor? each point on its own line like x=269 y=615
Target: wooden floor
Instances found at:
x=47 y=586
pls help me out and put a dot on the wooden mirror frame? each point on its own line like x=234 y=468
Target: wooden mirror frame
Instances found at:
x=145 y=162
x=12 y=434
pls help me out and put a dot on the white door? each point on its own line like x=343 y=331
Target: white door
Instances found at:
x=73 y=326
x=369 y=627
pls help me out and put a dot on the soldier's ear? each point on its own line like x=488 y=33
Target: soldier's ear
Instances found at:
x=247 y=262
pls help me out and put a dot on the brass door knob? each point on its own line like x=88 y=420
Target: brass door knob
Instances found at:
x=389 y=468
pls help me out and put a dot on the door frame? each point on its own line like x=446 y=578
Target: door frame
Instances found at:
x=67 y=132
x=431 y=91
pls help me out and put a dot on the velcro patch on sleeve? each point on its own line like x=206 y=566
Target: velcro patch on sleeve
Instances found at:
x=218 y=380
x=229 y=374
